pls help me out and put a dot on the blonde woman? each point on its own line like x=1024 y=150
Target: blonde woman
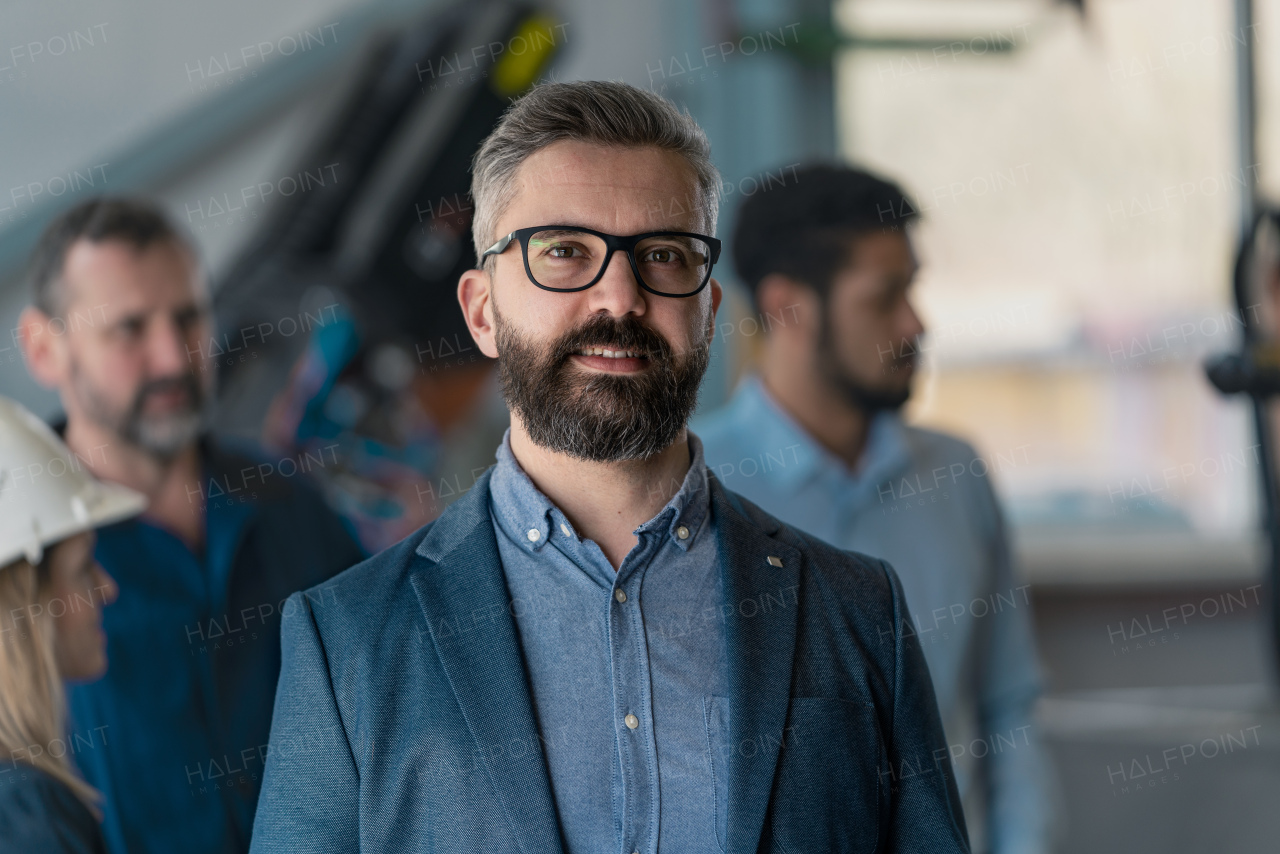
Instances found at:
x=52 y=592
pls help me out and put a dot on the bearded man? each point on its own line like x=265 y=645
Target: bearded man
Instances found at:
x=120 y=327
x=575 y=657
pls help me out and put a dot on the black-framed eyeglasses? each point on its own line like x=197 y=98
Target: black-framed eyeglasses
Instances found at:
x=567 y=258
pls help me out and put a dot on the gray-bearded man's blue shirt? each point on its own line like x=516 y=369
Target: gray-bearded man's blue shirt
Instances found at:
x=626 y=668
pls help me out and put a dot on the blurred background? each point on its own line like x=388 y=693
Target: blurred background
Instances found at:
x=1086 y=173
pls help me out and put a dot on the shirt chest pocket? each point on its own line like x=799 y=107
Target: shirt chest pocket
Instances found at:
x=828 y=794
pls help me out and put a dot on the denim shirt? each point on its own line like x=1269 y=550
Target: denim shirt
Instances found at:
x=624 y=667
x=923 y=501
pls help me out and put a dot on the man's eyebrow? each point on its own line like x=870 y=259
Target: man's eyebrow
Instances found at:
x=556 y=232
x=191 y=309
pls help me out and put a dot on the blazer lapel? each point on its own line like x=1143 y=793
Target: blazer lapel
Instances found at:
x=760 y=640
x=464 y=599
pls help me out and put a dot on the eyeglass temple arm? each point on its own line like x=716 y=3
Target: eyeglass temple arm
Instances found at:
x=499 y=247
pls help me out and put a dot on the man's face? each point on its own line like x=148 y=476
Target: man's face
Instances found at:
x=870 y=336
x=634 y=400
x=136 y=323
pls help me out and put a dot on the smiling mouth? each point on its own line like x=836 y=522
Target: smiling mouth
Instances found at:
x=610 y=354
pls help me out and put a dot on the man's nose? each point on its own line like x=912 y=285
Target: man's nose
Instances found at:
x=617 y=293
x=914 y=326
x=167 y=349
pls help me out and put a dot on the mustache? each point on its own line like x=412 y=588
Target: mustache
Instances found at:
x=626 y=333
x=164 y=385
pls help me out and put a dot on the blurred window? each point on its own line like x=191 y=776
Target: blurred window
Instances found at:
x=1079 y=187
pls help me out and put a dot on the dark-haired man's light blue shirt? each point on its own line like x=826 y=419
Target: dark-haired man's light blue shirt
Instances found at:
x=626 y=668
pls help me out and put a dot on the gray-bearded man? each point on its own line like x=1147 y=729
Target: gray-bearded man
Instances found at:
x=573 y=658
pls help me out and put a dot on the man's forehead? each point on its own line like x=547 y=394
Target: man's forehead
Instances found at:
x=887 y=247
x=625 y=190
x=130 y=278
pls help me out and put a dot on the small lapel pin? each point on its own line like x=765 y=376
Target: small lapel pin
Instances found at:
x=774 y=560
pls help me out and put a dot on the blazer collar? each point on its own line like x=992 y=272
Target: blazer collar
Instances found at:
x=476 y=639
x=464 y=599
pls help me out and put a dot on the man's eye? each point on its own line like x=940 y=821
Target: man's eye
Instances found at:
x=565 y=252
x=663 y=256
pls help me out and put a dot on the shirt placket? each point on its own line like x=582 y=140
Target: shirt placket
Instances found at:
x=633 y=703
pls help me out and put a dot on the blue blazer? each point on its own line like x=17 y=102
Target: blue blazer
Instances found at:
x=403 y=718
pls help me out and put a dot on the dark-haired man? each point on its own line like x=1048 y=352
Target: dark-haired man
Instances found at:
x=120 y=327
x=573 y=658
x=816 y=439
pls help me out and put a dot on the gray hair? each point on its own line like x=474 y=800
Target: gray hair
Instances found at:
x=599 y=112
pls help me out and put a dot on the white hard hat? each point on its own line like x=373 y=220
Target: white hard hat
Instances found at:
x=46 y=493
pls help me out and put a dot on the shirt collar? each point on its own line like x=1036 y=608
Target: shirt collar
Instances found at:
x=779 y=436
x=529 y=518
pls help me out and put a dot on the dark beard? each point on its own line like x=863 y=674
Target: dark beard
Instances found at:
x=867 y=398
x=600 y=417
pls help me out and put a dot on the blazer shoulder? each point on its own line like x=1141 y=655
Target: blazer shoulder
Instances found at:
x=365 y=587
x=852 y=579
x=833 y=567
x=848 y=601
x=378 y=591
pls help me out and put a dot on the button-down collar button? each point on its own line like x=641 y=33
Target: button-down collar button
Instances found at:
x=565 y=528
x=631 y=721
x=534 y=535
x=774 y=560
x=682 y=532
x=619 y=595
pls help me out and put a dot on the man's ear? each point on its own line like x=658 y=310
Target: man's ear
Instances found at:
x=717 y=294
x=45 y=352
x=475 y=295
x=788 y=305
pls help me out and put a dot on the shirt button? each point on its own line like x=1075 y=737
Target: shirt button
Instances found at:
x=682 y=532
x=533 y=535
x=631 y=721
x=619 y=595
x=565 y=528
